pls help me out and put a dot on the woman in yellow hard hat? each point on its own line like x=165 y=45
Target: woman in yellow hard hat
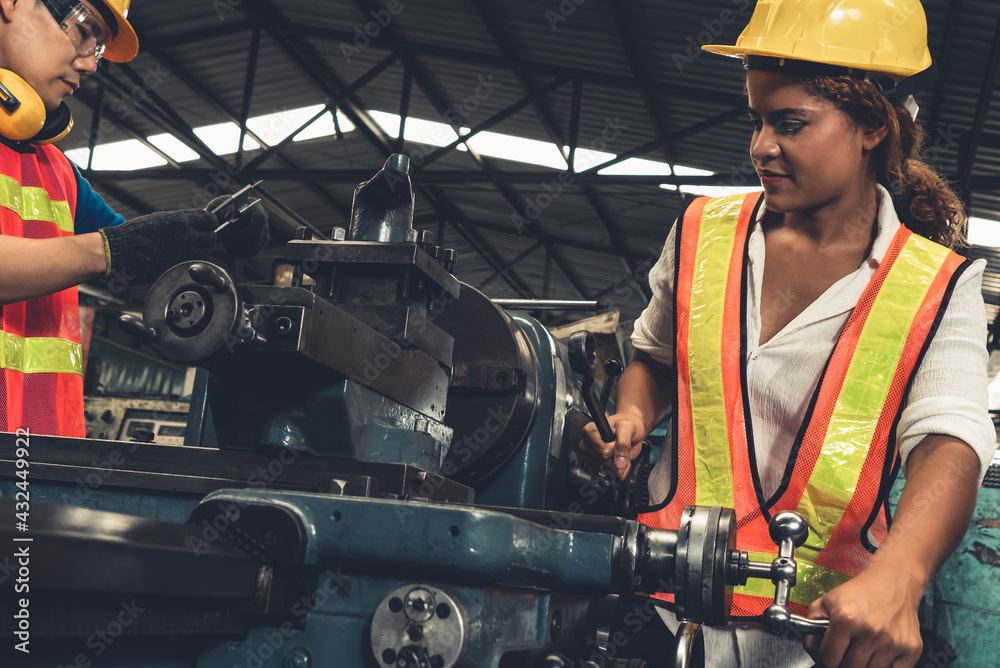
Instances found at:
x=808 y=340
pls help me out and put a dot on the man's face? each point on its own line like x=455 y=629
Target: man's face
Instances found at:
x=45 y=55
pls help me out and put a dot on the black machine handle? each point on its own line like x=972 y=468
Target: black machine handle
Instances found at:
x=135 y=325
x=629 y=495
x=583 y=359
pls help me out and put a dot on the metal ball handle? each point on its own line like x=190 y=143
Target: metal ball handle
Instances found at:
x=788 y=530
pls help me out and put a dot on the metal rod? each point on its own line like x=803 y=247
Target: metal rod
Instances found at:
x=251 y=73
x=404 y=108
x=574 y=123
x=95 y=126
x=494 y=119
x=549 y=304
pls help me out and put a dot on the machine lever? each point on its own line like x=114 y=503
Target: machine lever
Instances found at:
x=135 y=325
x=207 y=274
x=612 y=369
x=583 y=357
x=788 y=530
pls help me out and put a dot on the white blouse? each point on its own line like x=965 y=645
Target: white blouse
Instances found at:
x=948 y=394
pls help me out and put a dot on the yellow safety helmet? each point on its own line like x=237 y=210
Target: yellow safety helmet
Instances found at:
x=123 y=44
x=887 y=37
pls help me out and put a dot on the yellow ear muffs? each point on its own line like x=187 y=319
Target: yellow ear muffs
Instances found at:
x=22 y=112
x=57 y=125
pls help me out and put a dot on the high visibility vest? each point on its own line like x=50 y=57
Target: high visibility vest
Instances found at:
x=41 y=371
x=844 y=459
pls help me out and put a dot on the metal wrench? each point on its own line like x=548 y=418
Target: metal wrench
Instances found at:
x=243 y=203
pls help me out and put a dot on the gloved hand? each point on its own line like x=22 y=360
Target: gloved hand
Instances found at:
x=141 y=249
x=248 y=235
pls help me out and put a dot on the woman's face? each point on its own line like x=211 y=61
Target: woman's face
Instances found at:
x=807 y=152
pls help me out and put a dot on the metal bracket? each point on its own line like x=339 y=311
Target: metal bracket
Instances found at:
x=486 y=377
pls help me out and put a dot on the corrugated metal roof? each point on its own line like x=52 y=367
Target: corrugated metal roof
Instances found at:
x=637 y=63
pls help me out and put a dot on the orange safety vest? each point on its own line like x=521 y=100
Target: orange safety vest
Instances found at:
x=845 y=458
x=41 y=373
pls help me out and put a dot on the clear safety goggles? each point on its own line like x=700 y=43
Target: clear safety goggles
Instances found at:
x=81 y=25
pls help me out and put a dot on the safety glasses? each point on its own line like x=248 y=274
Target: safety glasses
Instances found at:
x=81 y=25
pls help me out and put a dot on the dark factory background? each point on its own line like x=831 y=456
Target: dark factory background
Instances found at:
x=551 y=144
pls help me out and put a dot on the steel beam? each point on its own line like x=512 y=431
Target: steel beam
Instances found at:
x=445 y=177
x=508 y=49
x=510 y=264
x=251 y=73
x=439 y=102
x=162 y=118
x=498 y=117
x=979 y=119
x=534 y=67
x=312 y=64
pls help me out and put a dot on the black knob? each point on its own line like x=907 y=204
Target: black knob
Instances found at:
x=134 y=325
x=207 y=274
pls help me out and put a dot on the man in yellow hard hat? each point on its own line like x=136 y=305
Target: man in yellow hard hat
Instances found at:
x=55 y=231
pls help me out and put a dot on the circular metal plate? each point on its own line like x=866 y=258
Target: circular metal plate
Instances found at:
x=492 y=408
x=705 y=539
x=419 y=625
x=194 y=317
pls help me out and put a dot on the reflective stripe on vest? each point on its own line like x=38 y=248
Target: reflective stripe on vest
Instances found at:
x=33 y=204
x=848 y=430
x=41 y=371
x=40 y=354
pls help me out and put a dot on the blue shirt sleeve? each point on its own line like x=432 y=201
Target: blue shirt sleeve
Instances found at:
x=92 y=212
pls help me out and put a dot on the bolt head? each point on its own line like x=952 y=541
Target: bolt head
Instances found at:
x=297 y=658
x=419 y=605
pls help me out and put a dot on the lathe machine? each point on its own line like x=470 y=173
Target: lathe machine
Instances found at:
x=395 y=485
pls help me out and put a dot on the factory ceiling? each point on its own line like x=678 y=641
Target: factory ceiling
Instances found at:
x=499 y=98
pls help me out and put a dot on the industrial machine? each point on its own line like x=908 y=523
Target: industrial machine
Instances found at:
x=392 y=483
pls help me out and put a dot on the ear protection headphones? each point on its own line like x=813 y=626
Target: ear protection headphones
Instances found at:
x=23 y=116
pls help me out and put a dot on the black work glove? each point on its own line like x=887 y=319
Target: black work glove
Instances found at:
x=248 y=235
x=143 y=248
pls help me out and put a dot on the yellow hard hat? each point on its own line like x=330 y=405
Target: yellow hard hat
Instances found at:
x=882 y=36
x=123 y=44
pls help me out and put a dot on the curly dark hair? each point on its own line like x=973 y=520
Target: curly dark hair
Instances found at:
x=924 y=202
